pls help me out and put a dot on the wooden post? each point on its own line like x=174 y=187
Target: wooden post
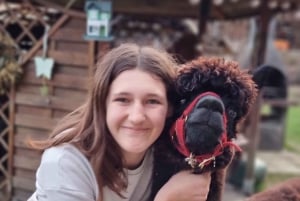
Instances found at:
x=254 y=117
x=204 y=12
x=253 y=135
x=11 y=127
x=102 y=48
x=265 y=19
x=96 y=50
x=91 y=57
x=203 y=16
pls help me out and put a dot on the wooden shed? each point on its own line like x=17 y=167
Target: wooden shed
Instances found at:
x=33 y=112
x=34 y=105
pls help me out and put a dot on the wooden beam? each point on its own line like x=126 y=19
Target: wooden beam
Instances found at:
x=74 y=35
x=24 y=183
x=65 y=8
x=31 y=122
x=39 y=44
x=50 y=102
x=23 y=135
x=71 y=58
x=166 y=8
x=60 y=80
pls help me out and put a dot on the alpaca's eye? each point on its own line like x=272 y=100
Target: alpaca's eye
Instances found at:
x=182 y=101
x=231 y=113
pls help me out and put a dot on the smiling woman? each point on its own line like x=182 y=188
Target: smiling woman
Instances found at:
x=103 y=151
x=136 y=113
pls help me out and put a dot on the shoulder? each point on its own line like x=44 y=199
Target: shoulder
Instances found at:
x=65 y=167
x=65 y=154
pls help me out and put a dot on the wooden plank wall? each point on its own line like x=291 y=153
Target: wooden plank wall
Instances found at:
x=35 y=114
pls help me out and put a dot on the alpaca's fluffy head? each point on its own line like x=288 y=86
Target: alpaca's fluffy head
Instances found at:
x=236 y=91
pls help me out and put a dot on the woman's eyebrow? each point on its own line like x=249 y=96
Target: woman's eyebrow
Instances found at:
x=156 y=96
x=120 y=94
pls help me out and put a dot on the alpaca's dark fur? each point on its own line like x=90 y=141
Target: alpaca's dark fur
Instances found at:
x=288 y=190
x=237 y=92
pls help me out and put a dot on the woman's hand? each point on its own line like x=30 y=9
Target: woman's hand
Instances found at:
x=185 y=186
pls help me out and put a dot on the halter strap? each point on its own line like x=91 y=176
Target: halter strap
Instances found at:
x=177 y=130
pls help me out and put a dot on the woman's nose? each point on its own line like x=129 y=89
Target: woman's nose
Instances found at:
x=137 y=113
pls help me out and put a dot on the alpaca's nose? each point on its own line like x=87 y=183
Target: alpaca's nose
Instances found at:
x=211 y=103
x=205 y=125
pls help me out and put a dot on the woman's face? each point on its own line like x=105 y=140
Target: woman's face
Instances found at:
x=137 y=108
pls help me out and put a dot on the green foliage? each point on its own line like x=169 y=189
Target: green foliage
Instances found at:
x=273 y=179
x=292 y=138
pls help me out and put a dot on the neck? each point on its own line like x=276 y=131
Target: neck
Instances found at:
x=133 y=160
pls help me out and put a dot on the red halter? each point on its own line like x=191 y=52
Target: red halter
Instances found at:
x=177 y=130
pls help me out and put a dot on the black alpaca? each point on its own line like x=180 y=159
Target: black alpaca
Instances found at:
x=214 y=97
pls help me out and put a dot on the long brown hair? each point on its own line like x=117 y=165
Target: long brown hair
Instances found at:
x=86 y=126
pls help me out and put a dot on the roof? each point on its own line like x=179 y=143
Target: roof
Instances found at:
x=220 y=9
x=104 y=6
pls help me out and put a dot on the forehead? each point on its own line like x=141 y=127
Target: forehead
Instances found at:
x=136 y=80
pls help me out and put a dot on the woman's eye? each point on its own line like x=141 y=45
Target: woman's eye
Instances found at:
x=122 y=100
x=153 y=101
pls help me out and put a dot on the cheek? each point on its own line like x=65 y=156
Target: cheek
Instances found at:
x=112 y=118
x=159 y=119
